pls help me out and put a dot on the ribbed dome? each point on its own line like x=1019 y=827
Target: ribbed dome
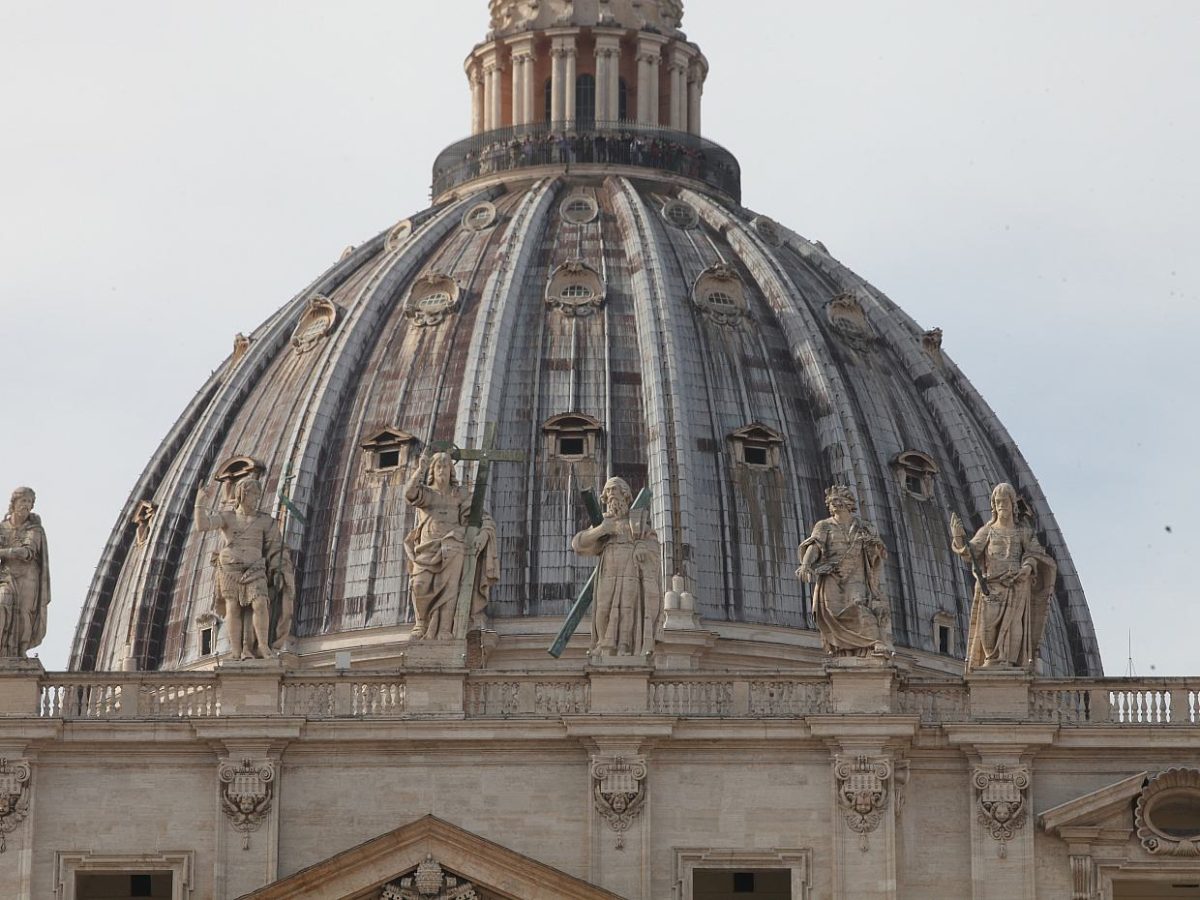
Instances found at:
x=626 y=323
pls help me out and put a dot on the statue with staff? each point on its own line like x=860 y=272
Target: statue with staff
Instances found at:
x=452 y=555
x=24 y=577
x=626 y=588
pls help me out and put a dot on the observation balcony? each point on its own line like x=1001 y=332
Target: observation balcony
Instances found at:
x=590 y=146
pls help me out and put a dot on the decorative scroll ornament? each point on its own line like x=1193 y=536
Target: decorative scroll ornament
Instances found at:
x=619 y=790
x=246 y=794
x=1167 y=813
x=432 y=298
x=315 y=323
x=863 y=788
x=720 y=295
x=575 y=289
x=14 y=796
x=429 y=882
x=1002 y=791
x=848 y=318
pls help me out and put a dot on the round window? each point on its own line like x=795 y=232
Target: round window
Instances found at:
x=434 y=302
x=579 y=210
x=680 y=214
x=479 y=217
x=720 y=298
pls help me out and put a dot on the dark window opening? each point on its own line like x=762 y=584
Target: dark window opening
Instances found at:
x=915 y=484
x=743 y=882
x=206 y=635
x=549 y=100
x=140 y=886
x=755 y=455
x=388 y=459
x=571 y=446
x=585 y=101
x=622 y=100
x=943 y=638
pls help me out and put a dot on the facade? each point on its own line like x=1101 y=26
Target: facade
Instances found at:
x=325 y=673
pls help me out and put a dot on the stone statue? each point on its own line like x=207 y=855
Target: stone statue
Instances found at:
x=24 y=577
x=1014 y=578
x=437 y=550
x=843 y=559
x=629 y=579
x=255 y=581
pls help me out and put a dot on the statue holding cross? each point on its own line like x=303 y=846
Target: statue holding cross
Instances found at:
x=452 y=557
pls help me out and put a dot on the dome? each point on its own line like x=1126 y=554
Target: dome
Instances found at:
x=592 y=294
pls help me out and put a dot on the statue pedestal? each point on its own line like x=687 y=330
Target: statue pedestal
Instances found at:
x=682 y=644
x=20 y=686
x=862 y=684
x=598 y=661
x=250 y=687
x=1001 y=693
x=435 y=654
x=25 y=665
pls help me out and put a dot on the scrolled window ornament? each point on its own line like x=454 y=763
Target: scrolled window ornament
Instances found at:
x=14 y=796
x=1001 y=795
x=863 y=791
x=1167 y=813
x=431 y=300
x=246 y=794
x=575 y=289
x=315 y=323
x=619 y=792
x=847 y=316
x=399 y=235
x=480 y=217
x=720 y=294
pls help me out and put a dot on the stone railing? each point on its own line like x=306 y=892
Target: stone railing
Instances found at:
x=1162 y=702
x=117 y=695
x=1117 y=701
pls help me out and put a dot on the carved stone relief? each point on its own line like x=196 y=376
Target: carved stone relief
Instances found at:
x=767 y=230
x=863 y=791
x=142 y=516
x=720 y=295
x=431 y=299
x=14 y=796
x=619 y=791
x=847 y=317
x=246 y=794
x=1167 y=813
x=429 y=882
x=1001 y=793
x=241 y=345
x=575 y=289
x=315 y=323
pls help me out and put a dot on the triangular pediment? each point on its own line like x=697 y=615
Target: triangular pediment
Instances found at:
x=392 y=859
x=1096 y=809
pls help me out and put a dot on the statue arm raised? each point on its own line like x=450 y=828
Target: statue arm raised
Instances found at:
x=414 y=488
x=204 y=520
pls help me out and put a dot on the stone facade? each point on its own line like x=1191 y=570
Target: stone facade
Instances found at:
x=857 y=781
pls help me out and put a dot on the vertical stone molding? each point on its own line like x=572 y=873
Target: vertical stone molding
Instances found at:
x=1083 y=878
x=864 y=788
x=619 y=791
x=247 y=791
x=1001 y=797
x=15 y=775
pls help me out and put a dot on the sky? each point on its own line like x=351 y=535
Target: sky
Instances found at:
x=1021 y=173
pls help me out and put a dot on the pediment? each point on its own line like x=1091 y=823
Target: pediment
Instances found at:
x=394 y=863
x=1100 y=809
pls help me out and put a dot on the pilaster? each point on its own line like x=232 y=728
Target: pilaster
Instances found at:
x=562 y=77
x=1002 y=822
x=608 y=73
x=649 y=56
x=522 y=79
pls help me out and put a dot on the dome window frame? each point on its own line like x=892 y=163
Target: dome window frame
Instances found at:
x=480 y=217
x=398 y=235
x=945 y=630
x=566 y=286
x=757 y=446
x=720 y=294
x=571 y=437
x=315 y=324
x=419 y=305
x=680 y=214
x=1173 y=787
x=234 y=470
x=768 y=230
x=915 y=472
x=388 y=450
x=579 y=209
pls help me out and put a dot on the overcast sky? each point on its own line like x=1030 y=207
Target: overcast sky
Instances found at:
x=1023 y=173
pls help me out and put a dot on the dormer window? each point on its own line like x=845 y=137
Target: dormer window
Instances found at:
x=915 y=471
x=720 y=294
x=579 y=209
x=575 y=289
x=571 y=437
x=757 y=446
x=387 y=449
x=943 y=633
x=479 y=217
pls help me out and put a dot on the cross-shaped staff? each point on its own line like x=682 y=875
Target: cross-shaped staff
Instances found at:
x=484 y=456
x=584 y=600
